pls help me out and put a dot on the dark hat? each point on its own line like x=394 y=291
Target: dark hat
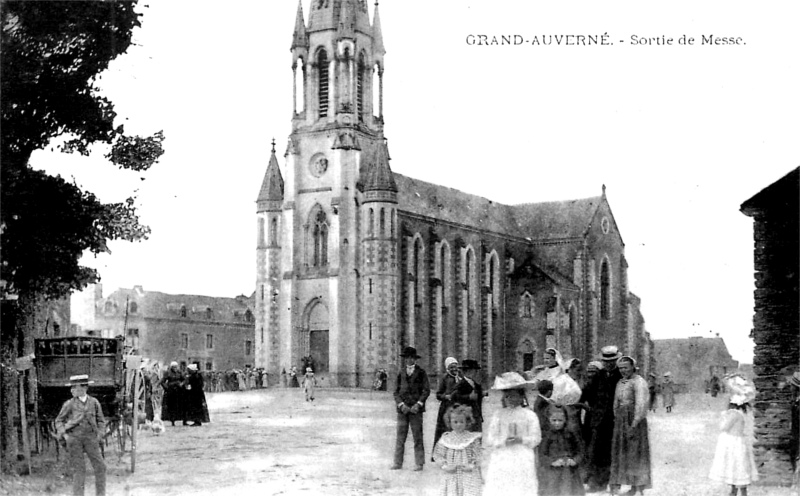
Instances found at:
x=79 y=380
x=409 y=352
x=470 y=365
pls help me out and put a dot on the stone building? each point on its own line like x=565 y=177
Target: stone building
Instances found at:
x=215 y=333
x=693 y=361
x=355 y=261
x=776 y=329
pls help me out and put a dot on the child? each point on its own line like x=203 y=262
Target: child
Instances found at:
x=734 y=463
x=309 y=382
x=458 y=454
x=512 y=435
x=560 y=455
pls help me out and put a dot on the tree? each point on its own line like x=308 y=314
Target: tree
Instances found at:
x=52 y=53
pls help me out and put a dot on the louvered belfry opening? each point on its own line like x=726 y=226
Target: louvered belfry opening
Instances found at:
x=322 y=67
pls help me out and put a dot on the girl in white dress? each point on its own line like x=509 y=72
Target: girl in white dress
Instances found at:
x=734 y=463
x=512 y=435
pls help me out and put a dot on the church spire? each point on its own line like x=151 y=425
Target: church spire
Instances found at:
x=272 y=186
x=378 y=175
x=377 y=34
x=299 y=39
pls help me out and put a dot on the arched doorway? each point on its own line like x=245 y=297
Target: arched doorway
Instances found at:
x=316 y=342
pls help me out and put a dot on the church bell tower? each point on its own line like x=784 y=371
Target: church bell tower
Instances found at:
x=311 y=304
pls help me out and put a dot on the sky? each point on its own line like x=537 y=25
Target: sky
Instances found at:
x=679 y=134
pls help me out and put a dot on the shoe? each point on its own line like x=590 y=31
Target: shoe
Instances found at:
x=197 y=424
x=186 y=423
x=418 y=468
x=395 y=467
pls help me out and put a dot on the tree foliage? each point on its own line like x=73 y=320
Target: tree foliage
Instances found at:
x=52 y=53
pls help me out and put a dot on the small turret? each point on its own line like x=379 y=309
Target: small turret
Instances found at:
x=378 y=49
x=377 y=178
x=300 y=37
x=272 y=187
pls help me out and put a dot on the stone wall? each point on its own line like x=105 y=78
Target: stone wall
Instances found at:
x=777 y=342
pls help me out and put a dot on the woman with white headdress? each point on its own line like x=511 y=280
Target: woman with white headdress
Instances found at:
x=734 y=463
x=445 y=392
x=565 y=390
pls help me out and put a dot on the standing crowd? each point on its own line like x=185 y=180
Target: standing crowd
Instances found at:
x=558 y=432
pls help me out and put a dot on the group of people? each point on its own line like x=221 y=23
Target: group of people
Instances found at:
x=551 y=432
x=184 y=396
x=218 y=381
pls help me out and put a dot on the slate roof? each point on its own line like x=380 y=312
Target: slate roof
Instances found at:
x=538 y=221
x=677 y=355
x=272 y=186
x=783 y=194
x=155 y=304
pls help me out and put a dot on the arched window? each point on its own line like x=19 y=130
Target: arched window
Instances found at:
x=320 y=240
x=605 y=291
x=299 y=84
x=261 y=232
x=391 y=223
x=360 y=81
x=109 y=306
x=273 y=231
x=383 y=223
x=371 y=226
x=183 y=311
x=209 y=313
x=133 y=307
x=526 y=305
x=248 y=316
x=469 y=275
x=419 y=257
x=322 y=86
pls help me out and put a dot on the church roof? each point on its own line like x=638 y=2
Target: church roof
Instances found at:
x=272 y=186
x=537 y=221
x=558 y=219
x=694 y=353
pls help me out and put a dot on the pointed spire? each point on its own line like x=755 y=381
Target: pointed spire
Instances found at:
x=378 y=175
x=377 y=33
x=299 y=39
x=347 y=21
x=272 y=186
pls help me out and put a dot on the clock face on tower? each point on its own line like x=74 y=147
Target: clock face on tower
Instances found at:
x=318 y=166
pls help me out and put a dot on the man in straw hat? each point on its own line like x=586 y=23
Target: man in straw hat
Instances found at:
x=410 y=394
x=601 y=420
x=82 y=425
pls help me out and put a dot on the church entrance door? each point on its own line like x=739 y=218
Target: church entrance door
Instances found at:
x=318 y=347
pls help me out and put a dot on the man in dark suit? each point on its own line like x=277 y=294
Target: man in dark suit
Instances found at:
x=410 y=394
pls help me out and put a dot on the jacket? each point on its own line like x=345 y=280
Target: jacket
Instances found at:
x=412 y=389
x=74 y=411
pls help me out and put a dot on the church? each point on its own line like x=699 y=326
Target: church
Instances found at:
x=356 y=261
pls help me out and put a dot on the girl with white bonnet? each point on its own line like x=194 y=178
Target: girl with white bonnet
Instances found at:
x=511 y=437
x=734 y=463
x=444 y=393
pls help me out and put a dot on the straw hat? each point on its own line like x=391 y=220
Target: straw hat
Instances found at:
x=192 y=366
x=742 y=390
x=512 y=380
x=609 y=353
x=79 y=380
x=794 y=380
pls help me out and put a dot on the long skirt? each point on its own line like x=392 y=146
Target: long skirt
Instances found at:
x=511 y=472
x=196 y=407
x=173 y=406
x=630 y=451
x=734 y=462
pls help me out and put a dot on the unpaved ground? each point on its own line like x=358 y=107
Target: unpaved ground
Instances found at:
x=272 y=442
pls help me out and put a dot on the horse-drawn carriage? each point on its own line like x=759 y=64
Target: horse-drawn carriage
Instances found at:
x=104 y=361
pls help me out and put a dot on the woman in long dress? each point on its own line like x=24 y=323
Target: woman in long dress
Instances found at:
x=630 y=444
x=173 y=384
x=511 y=437
x=668 y=392
x=196 y=408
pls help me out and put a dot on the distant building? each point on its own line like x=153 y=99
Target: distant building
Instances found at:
x=693 y=361
x=215 y=333
x=776 y=323
x=355 y=261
